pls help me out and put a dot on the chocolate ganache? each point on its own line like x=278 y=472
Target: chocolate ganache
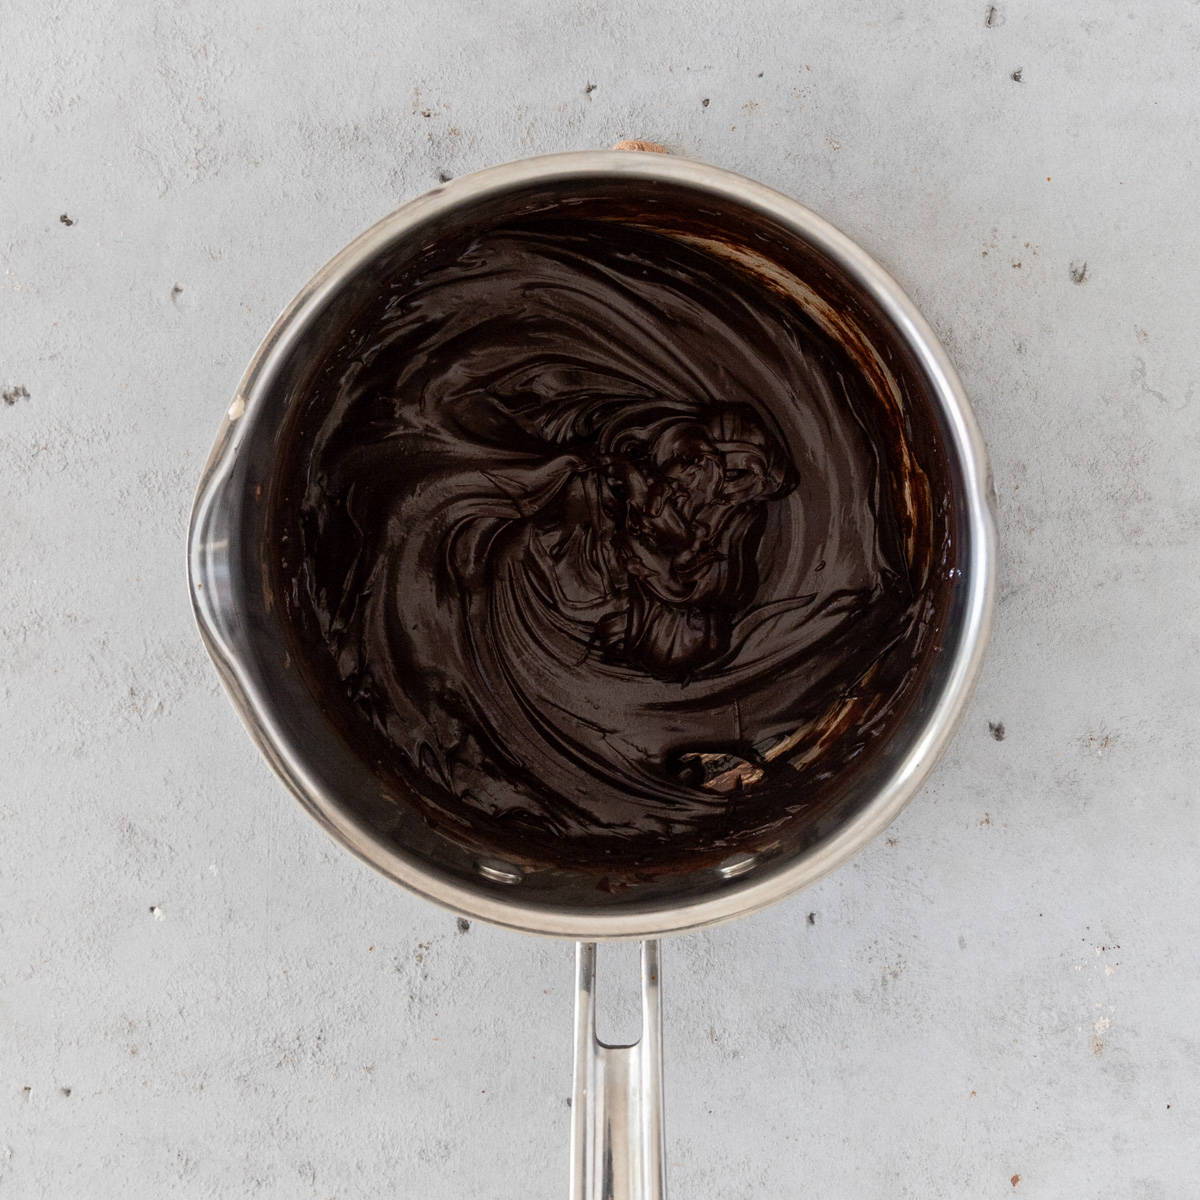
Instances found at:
x=601 y=551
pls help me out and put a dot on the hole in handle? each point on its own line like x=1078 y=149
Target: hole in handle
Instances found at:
x=618 y=993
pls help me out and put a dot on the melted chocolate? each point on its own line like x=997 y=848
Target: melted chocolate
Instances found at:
x=601 y=551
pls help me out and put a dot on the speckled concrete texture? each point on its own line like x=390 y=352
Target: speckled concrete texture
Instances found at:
x=201 y=996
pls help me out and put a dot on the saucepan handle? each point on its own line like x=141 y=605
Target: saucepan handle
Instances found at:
x=617 y=1118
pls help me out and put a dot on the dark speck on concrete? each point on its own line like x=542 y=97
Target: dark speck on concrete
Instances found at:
x=66 y=220
x=176 y=291
x=996 y=729
x=426 y=112
x=591 y=87
x=1079 y=272
x=812 y=918
x=13 y=394
x=444 y=177
x=463 y=925
x=569 y=1102
x=991 y=19
x=65 y=1091
x=1017 y=75
x=760 y=74
x=704 y=102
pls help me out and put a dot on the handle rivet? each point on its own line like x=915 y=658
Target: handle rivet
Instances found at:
x=498 y=872
x=739 y=864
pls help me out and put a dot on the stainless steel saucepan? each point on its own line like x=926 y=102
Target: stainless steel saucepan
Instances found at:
x=617 y=1138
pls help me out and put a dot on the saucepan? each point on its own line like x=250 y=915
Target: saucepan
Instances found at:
x=617 y=1127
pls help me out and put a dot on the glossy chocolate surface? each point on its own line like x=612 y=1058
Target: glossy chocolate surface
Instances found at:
x=602 y=552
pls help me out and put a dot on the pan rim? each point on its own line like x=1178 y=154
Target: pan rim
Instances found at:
x=227 y=644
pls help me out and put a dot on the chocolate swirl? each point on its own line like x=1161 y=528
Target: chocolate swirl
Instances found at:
x=575 y=507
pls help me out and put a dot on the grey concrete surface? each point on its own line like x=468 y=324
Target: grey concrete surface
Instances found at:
x=200 y=996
